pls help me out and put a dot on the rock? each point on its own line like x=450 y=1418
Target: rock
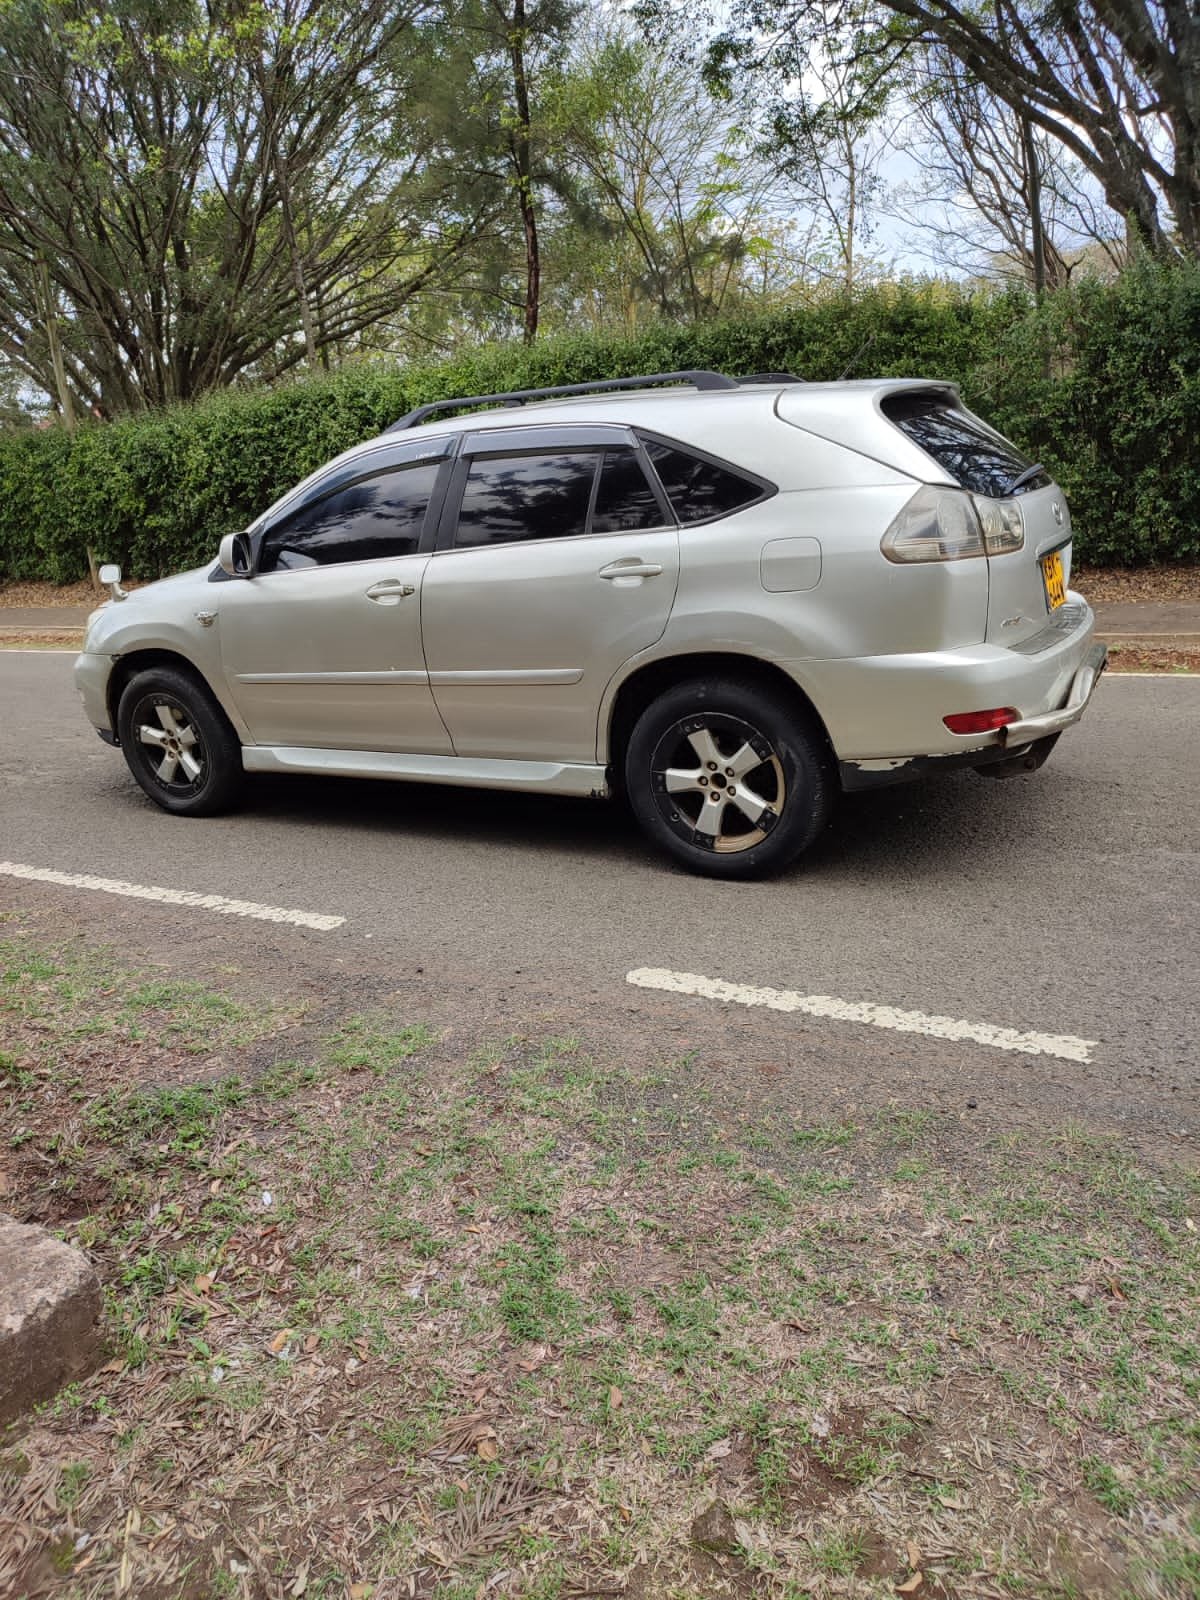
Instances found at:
x=713 y=1529
x=49 y=1316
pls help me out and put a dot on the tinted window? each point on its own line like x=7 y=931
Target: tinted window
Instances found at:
x=509 y=498
x=698 y=489
x=971 y=453
x=370 y=520
x=625 y=502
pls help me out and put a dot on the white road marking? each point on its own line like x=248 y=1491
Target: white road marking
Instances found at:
x=824 y=1005
x=172 y=897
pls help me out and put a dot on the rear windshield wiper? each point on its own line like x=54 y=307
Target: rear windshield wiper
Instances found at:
x=1022 y=478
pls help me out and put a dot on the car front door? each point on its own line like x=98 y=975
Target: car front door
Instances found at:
x=322 y=647
x=557 y=561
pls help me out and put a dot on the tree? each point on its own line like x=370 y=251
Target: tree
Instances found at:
x=211 y=191
x=997 y=192
x=674 y=213
x=498 y=61
x=829 y=141
x=1115 y=83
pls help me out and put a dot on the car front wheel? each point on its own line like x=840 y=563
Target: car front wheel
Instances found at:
x=178 y=744
x=728 y=778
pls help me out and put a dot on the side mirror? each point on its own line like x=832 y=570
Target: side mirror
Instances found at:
x=234 y=555
x=110 y=575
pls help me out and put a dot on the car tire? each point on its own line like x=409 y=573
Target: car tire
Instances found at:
x=766 y=761
x=178 y=743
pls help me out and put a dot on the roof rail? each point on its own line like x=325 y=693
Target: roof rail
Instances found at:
x=771 y=377
x=697 y=379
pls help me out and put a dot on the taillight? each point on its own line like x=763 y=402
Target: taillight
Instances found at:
x=952 y=525
x=981 y=721
x=935 y=525
x=1003 y=525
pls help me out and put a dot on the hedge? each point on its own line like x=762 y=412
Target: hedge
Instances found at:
x=1101 y=383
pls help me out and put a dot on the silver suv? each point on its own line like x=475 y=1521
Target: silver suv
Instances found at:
x=724 y=599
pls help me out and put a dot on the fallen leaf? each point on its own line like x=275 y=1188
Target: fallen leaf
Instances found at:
x=912 y=1584
x=1189 y=1224
x=202 y=1284
x=487 y=1449
x=615 y=1398
x=311 y=1343
x=1115 y=1289
x=301 y=1583
x=280 y=1339
x=361 y=1591
x=1082 y=1293
x=715 y=1452
x=913 y=1552
x=953 y=1505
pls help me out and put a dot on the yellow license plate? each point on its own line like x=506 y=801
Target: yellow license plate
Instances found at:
x=1052 y=578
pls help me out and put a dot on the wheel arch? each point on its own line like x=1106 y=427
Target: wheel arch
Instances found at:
x=127 y=666
x=647 y=682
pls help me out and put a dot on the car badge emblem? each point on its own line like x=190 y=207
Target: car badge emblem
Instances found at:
x=1058 y=513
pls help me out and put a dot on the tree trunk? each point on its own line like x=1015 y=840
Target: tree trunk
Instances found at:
x=522 y=161
x=289 y=234
x=287 y=216
x=1033 y=200
x=65 y=402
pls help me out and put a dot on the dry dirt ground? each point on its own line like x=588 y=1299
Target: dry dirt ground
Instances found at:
x=400 y=1307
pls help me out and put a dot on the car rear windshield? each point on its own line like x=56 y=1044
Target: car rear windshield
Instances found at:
x=974 y=456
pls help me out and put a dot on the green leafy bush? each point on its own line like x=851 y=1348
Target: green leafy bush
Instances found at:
x=1101 y=383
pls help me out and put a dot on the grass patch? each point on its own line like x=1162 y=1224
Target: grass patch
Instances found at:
x=386 y=1316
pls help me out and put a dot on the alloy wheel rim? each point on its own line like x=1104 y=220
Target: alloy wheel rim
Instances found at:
x=172 y=748
x=718 y=783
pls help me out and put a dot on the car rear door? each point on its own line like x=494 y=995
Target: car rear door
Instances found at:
x=557 y=560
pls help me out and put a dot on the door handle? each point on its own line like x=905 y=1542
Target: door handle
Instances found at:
x=630 y=567
x=388 y=591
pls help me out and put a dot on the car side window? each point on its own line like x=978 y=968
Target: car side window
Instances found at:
x=372 y=519
x=509 y=499
x=699 y=488
x=625 y=502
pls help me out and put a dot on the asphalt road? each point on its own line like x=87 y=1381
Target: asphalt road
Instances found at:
x=1064 y=903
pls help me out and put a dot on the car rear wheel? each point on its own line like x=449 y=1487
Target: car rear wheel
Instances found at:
x=728 y=778
x=178 y=744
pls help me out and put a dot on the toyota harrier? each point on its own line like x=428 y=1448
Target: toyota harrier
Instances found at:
x=725 y=599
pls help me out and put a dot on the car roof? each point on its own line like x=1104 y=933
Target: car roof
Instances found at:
x=726 y=422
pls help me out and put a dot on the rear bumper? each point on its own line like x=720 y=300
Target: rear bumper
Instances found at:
x=884 y=714
x=1082 y=685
